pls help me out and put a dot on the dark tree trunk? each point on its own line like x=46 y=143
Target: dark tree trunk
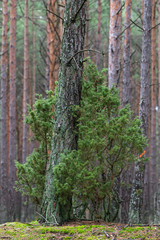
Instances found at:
x=69 y=94
x=4 y=103
x=140 y=202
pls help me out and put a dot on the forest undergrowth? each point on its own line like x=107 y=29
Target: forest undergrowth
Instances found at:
x=87 y=230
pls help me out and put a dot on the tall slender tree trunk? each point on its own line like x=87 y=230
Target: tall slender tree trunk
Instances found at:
x=62 y=7
x=126 y=96
x=33 y=59
x=25 y=82
x=12 y=110
x=87 y=31
x=158 y=194
x=152 y=160
x=47 y=51
x=140 y=202
x=54 y=31
x=52 y=43
x=4 y=131
x=25 y=99
x=114 y=43
x=98 y=35
x=127 y=176
x=69 y=94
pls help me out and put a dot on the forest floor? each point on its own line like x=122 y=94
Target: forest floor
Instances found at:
x=78 y=230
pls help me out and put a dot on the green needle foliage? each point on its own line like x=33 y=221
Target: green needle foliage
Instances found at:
x=31 y=175
x=109 y=141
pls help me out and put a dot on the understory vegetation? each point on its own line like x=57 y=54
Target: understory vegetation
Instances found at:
x=109 y=140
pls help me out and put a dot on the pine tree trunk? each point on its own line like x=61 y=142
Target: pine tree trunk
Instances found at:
x=12 y=110
x=24 y=214
x=33 y=59
x=98 y=35
x=126 y=55
x=25 y=82
x=114 y=43
x=69 y=94
x=47 y=50
x=127 y=175
x=52 y=42
x=4 y=133
x=158 y=195
x=87 y=31
x=62 y=7
x=140 y=202
x=152 y=160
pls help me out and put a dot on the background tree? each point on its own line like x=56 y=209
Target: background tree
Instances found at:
x=12 y=111
x=98 y=35
x=140 y=203
x=114 y=43
x=158 y=194
x=4 y=173
x=152 y=161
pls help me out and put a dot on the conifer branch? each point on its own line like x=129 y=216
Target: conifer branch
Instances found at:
x=75 y=16
x=84 y=50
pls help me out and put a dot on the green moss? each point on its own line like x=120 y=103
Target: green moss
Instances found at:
x=19 y=231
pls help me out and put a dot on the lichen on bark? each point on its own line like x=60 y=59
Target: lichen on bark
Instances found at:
x=68 y=94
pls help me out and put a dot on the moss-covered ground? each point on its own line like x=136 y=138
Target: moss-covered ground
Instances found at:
x=78 y=230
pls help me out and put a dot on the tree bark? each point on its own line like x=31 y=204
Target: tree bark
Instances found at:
x=127 y=176
x=62 y=2
x=69 y=94
x=52 y=42
x=25 y=82
x=33 y=58
x=12 y=110
x=140 y=202
x=4 y=175
x=98 y=35
x=24 y=211
x=114 y=43
x=158 y=195
x=152 y=160
x=126 y=96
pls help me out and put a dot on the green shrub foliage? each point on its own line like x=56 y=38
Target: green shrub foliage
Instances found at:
x=109 y=141
x=31 y=175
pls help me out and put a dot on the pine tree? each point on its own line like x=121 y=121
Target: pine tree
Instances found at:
x=12 y=111
x=114 y=43
x=69 y=94
x=4 y=166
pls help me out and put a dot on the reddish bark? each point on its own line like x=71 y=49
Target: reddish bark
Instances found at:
x=25 y=82
x=12 y=109
x=4 y=166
